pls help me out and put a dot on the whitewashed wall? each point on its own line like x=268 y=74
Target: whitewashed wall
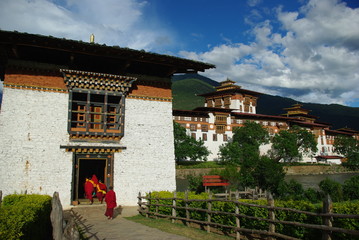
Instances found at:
x=148 y=163
x=33 y=125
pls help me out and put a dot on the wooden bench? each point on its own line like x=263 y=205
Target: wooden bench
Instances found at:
x=213 y=180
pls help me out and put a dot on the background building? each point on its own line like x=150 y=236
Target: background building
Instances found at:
x=230 y=106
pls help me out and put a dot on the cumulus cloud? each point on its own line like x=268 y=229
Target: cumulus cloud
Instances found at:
x=315 y=55
x=113 y=22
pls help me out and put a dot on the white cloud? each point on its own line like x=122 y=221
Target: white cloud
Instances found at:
x=113 y=22
x=253 y=3
x=316 y=59
x=313 y=56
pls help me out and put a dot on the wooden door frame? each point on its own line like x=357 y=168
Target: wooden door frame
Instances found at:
x=108 y=174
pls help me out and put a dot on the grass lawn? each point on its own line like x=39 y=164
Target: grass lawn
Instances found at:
x=177 y=228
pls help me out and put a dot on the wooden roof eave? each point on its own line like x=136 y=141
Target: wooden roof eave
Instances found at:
x=79 y=47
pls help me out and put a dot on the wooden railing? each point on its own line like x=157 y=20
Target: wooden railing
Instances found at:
x=147 y=202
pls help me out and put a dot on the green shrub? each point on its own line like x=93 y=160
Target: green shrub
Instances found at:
x=195 y=183
x=198 y=164
x=351 y=188
x=331 y=188
x=25 y=217
x=291 y=190
x=349 y=207
x=312 y=195
x=294 y=231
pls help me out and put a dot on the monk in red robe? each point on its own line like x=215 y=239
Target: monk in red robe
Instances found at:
x=100 y=190
x=94 y=179
x=89 y=189
x=110 y=200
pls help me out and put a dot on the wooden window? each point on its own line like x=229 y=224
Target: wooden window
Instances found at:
x=220 y=128
x=218 y=102
x=225 y=137
x=193 y=135
x=94 y=113
x=215 y=137
x=227 y=101
x=209 y=103
x=193 y=127
x=204 y=128
x=204 y=136
x=222 y=119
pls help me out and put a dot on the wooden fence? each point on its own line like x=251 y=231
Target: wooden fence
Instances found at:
x=145 y=202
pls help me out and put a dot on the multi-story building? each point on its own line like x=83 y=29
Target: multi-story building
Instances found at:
x=71 y=109
x=230 y=106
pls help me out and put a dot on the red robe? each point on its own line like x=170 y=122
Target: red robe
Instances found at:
x=110 y=200
x=101 y=191
x=94 y=179
x=88 y=189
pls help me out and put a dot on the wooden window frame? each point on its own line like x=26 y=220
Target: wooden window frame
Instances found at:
x=92 y=117
x=215 y=137
x=204 y=136
x=193 y=127
x=204 y=128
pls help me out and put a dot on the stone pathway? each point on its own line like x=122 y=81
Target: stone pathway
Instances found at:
x=98 y=227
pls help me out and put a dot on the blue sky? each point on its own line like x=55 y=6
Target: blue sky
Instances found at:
x=307 y=50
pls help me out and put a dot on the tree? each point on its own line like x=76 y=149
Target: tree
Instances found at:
x=245 y=144
x=333 y=188
x=351 y=188
x=290 y=145
x=186 y=147
x=349 y=147
x=255 y=170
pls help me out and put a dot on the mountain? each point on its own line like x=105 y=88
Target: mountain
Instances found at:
x=184 y=92
x=186 y=86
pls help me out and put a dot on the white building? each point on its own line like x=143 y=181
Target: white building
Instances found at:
x=72 y=109
x=230 y=106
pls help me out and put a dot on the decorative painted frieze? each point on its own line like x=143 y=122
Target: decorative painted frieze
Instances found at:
x=97 y=81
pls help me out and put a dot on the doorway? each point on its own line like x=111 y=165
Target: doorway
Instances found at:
x=86 y=165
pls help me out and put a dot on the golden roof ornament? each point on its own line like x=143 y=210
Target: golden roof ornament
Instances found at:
x=92 y=38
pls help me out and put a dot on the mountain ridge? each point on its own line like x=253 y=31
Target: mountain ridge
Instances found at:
x=186 y=87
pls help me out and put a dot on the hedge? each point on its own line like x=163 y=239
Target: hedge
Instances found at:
x=25 y=217
x=351 y=207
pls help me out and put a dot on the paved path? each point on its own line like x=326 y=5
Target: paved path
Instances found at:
x=98 y=227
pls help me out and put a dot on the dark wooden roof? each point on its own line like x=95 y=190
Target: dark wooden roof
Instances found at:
x=308 y=124
x=231 y=92
x=187 y=113
x=259 y=116
x=337 y=132
x=213 y=109
x=91 y=56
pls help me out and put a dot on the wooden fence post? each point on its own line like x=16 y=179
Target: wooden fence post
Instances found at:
x=187 y=211
x=139 y=202
x=174 y=214
x=56 y=217
x=209 y=208
x=157 y=202
x=327 y=221
x=149 y=201
x=238 y=223
x=271 y=214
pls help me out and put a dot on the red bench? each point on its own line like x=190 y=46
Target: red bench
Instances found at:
x=214 y=180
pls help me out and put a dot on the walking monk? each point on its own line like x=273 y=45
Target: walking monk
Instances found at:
x=100 y=191
x=89 y=189
x=110 y=200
